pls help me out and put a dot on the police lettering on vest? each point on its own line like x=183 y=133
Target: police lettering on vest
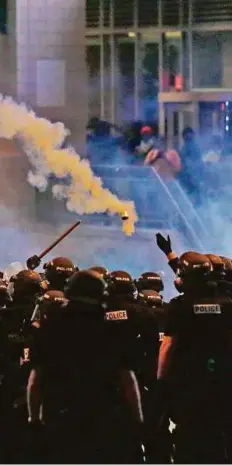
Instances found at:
x=207 y=309
x=118 y=315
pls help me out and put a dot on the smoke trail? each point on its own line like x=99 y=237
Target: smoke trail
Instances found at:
x=42 y=141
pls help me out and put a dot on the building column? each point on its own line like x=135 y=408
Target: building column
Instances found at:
x=161 y=119
x=195 y=110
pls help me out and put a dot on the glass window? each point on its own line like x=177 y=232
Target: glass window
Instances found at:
x=3 y=16
x=150 y=80
x=172 y=52
x=147 y=12
x=123 y=13
x=209 y=11
x=94 y=89
x=185 y=61
x=92 y=13
x=125 y=84
x=170 y=12
x=207 y=60
x=106 y=5
x=185 y=11
x=107 y=77
x=212 y=60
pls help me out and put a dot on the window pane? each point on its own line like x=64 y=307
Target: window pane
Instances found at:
x=207 y=60
x=170 y=12
x=150 y=80
x=125 y=49
x=92 y=13
x=123 y=13
x=106 y=20
x=185 y=11
x=172 y=55
x=107 y=77
x=147 y=12
x=93 y=66
x=3 y=16
x=209 y=11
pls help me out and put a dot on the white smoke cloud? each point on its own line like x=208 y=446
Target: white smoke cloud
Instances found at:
x=42 y=140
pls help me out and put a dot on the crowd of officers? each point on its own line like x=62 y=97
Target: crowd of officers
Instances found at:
x=95 y=366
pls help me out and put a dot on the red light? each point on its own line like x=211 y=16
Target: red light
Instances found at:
x=179 y=82
x=223 y=107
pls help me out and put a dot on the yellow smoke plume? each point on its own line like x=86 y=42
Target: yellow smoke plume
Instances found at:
x=42 y=141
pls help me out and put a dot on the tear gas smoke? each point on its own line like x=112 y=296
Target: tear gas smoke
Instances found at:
x=41 y=139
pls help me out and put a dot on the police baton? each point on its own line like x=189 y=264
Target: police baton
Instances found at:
x=34 y=262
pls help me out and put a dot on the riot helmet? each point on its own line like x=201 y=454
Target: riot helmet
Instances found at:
x=150 y=298
x=49 y=305
x=26 y=285
x=149 y=280
x=101 y=270
x=58 y=270
x=86 y=287
x=122 y=284
x=194 y=271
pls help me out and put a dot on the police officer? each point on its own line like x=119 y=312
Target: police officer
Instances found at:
x=15 y=323
x=161 y=453
x=154 y=301
x=138 y=325
x=150 y=281
x=23 y=288
x=51 y=301
x=195 y=364
x=104 y=273
x=58 y=271
x=79 y=375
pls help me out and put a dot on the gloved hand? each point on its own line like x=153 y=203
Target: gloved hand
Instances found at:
x=33 y=262
x=164 y=244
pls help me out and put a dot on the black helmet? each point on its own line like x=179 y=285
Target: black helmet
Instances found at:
x=58 y=270
x=86 y=287
x=27 y=283
x=121 y=283
x=194 y=263
x=53 y=296
x=228 y=268
x=227 y=263
x=149 y=280
x=194 y=268
x=101 y=270
x=49 y=305
x=216 y=261
x=150 y=298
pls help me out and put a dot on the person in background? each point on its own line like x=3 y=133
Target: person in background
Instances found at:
x=214 y=154
x=192 y=165
x=166 y=161
x=102 y=144
x=147 y=142
x=211 y=158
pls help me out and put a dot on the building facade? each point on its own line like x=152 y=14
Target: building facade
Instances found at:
x=163 y=60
